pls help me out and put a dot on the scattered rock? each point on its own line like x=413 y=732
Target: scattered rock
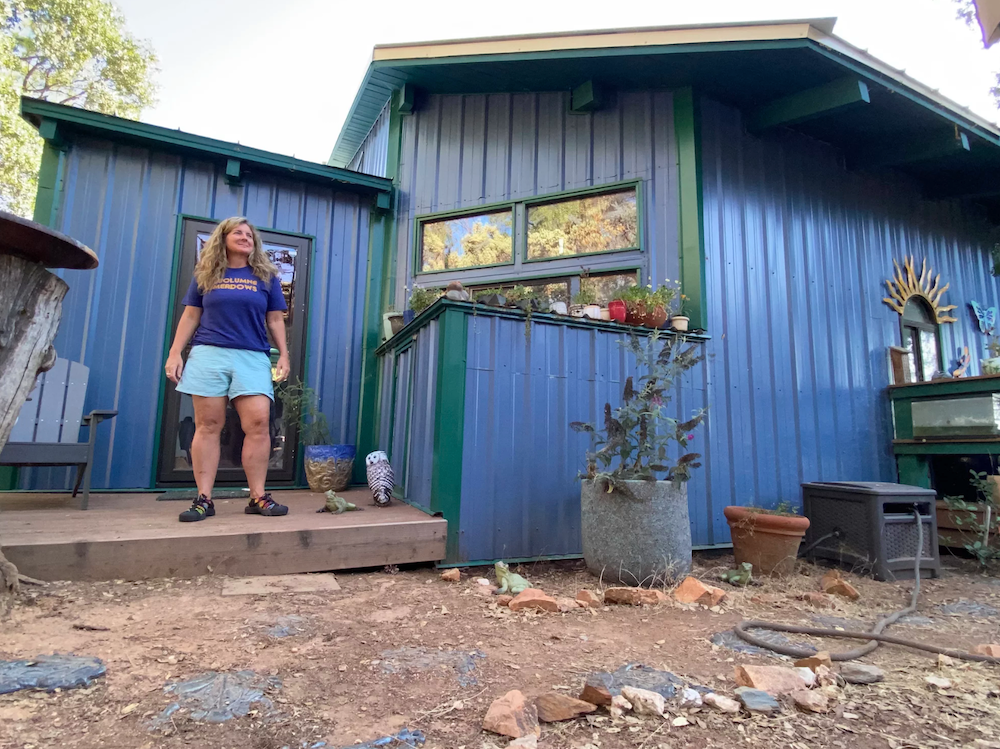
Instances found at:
x=817 y=600
x=504 y=600
x=827 y=677
x=619 y=705
x=533 y=598
x=602 y=685
x=811 y=701
x=633 y=596
x=644 y=702
x=553 y=707
x=596 y=693
x=861 y=673
x=757 y=701
x=991 y=650
x=693 y=590
x=813 y=662
x=512 y=716
x=452 y=576
x=720 y=703
x=938 y=682
x=690 y=697
x=968 y=608
x=731 y=640
x=679 y=721
x=808 y=676
x=833 y=583
x=943 y=661
x=484 y=582
x=589 y=599
x=567 y=604
x=776 y=680
x=525 y=742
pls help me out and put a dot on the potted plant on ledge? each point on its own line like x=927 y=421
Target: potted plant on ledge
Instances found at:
x=767 y=539
x=327 y=467
x=634 y=507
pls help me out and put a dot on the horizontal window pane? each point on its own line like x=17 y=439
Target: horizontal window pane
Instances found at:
x=606 y=286
x=595 y=223
x=548 y=290
x=467 y=242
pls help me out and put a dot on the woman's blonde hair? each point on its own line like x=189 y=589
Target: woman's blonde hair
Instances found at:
x=211 y=267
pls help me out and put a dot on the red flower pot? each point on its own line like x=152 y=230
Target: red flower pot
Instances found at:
x=769 y=542
x=617 y=310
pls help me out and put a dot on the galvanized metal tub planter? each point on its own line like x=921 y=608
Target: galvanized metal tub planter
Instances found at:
x=643 y=539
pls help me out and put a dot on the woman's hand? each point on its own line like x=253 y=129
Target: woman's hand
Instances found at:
x=282 y=368
x=175 y=367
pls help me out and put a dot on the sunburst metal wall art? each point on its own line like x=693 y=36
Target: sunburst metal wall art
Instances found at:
x=905 y=284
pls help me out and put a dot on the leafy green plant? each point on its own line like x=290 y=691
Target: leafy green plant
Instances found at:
x=982 y=540
x=301 y=407
x=586 y=295
x=421 y=298
x=784 y=507
x=637 y=440
x=642 y=298
x=481 y=294
x=519 y=293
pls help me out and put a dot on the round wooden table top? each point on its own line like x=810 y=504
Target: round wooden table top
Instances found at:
x=32 y=241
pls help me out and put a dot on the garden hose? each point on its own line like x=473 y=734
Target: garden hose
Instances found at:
x=874 y=637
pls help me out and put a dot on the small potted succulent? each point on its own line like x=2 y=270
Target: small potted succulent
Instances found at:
x=679 y=322
x=767 y=538
x=328 y=467
x=634 y=507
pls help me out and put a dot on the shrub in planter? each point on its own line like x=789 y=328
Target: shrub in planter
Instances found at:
x=327 y=467
x=421 y=298
x=646 y=306
x=634 y=506
x=767 y=539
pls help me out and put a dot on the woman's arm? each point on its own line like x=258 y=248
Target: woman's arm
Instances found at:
x=190 y=319
x=276 y=326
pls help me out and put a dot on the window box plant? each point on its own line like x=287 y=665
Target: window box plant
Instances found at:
x=646 y=306
x=420 y=299
x=327 y=466
x=679 y=322
x=767 y=539
x=634 y=509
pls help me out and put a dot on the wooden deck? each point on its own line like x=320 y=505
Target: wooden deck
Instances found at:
x=136 y=537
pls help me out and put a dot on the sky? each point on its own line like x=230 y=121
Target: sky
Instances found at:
x=281 y=76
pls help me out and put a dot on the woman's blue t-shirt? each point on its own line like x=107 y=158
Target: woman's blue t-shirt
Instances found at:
x=234 y=311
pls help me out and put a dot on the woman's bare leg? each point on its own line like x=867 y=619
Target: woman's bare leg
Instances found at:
x=255 y=415
x=209 y=418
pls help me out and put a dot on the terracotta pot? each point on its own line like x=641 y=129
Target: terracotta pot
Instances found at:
x=679 y=323
x=616 y=309
x=769 y=542
x=640 y=315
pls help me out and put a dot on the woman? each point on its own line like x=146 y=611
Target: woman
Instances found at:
x=234 y=300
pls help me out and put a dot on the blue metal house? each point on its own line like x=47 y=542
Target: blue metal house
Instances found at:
x=772 y=169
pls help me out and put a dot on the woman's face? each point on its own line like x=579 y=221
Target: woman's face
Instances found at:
x=240 y=240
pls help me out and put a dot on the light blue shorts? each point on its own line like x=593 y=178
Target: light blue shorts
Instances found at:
x=213 y=372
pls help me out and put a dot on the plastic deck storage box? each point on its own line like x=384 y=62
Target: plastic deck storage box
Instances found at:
x=877 y=527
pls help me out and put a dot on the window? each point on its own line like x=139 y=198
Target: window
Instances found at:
x=564 y=289
x=474 y=241
x=919 y=334
x=582 y=226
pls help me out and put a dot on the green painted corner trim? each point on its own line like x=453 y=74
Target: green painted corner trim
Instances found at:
x=449 y=424
x=803 y=106
x=71 y=119
x=50 y=177
x=690 y=211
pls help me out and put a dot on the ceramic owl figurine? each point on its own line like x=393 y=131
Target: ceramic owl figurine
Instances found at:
x=380 y=478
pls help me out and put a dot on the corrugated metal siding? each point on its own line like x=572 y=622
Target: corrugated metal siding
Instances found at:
x=798 y=249
x=372 y=157
x=460 y=151
x=407 y=400
x=520 y=493
x=123 y=202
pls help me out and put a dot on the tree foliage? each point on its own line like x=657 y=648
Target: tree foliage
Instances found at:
x=467 y=242
x=966 y=12
x=75 y=52
x=585 y=225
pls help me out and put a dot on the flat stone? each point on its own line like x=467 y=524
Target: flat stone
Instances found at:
x=690 y=697
x=721 y=703
x=601 y=686
x=991 y=650
x=533 y=598
x=596 y=694
x=808 y=676
x=860 y=673
x=644 y=702
x=776 y=680
x=451 y=576
x=811 y=701
x=693 y=590
x=504 y=600
x=827 y=677
x=511 y=715
x=589 y=599
x=817 y=600
x=731 y=640
x=938 y=682
x=833 y=583
x=525 y=742
x=619 y=706
x=554 y=707
x=813 y=662
x=567 y=604
x=633 y=596
x=757 y=701
x=969 y=608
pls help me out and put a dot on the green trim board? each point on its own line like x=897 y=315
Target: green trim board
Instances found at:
x=50 y=180
x=803 y=106
x=73 y=119
x=449 y=424
x=691 y=249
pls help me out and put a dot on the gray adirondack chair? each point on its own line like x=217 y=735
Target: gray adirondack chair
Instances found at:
x=48 y=426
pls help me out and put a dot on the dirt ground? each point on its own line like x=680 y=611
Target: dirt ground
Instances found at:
x=335 y=686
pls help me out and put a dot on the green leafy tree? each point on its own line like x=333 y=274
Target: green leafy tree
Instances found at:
x=966 y=12
x=75 y=52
